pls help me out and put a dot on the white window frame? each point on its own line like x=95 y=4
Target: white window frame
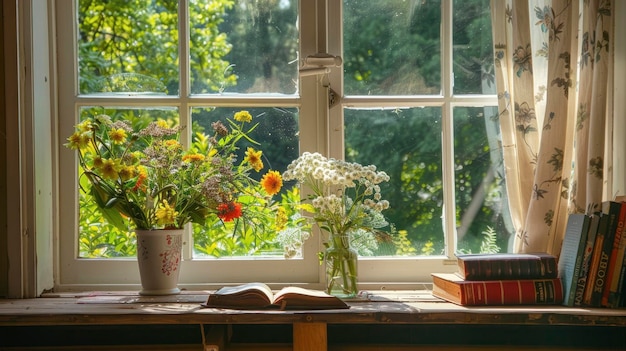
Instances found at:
x=26 y=278
x=321 y=32
x=324 y=133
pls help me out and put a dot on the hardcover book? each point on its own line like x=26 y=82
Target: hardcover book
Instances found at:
x=611 y=210
x=260 y=296
x=594 y=264
x=586 y=261
x=452 y=288
x=611 y=291
x=507 y=266
x=571 y=256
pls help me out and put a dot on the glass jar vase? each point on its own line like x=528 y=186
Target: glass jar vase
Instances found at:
x=341 y=266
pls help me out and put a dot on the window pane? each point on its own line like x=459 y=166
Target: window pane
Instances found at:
x=406 y=143
x=97 y=237
x=277 y=135
x=128 y=46
x=483 y=219
x=392 y=47
x=473 y=49
x=244 y=46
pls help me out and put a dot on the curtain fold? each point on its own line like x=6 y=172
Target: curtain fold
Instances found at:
x=553 y=124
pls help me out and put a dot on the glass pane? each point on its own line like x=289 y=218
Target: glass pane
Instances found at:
x=406 y=145
x=128 y=47
x=244 y=46
x=482 y=213
x=97 y=237
x=392 y=47
x=473 y=48
x=277 y=138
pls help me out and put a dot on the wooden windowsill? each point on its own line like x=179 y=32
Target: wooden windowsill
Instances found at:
x=400 y=307
x=391 y=321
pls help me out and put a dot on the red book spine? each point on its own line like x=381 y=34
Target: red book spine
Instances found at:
x=512 y=292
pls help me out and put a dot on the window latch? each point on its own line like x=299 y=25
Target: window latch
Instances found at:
x=319 y=63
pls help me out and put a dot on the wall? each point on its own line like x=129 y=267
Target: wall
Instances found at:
x=3 y=179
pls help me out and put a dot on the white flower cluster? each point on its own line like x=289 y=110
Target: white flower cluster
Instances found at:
x=324 y=174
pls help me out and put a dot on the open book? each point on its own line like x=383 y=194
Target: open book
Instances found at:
x=260 y=296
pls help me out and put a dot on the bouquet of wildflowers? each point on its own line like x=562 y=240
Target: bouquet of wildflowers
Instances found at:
x=345 y=201
x=145 y=175
x=345 y=197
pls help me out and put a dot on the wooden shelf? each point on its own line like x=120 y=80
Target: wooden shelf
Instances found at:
x=310 y=330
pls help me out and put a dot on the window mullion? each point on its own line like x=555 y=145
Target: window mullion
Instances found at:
x=184 y=111
x=449 y=210
x=183 y=68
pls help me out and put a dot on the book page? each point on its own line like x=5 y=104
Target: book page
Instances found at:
x=245 y=289
x=297 y=297
x=301 y=291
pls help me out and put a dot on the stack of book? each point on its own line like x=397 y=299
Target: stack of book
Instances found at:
x=592 y=263
x=501 y=279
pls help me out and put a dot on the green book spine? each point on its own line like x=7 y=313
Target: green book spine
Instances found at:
x=572 y=250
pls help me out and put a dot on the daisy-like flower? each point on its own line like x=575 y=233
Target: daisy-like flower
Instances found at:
x=110 y=169
x=193 y=158
x=118 y=136
x=243 y=116
x=97 y=162
x=127 y=172
x=253 y=157
x=228 y=211
x=166 y=214
x=172 y=144
x=272 y=182
x=78 y=140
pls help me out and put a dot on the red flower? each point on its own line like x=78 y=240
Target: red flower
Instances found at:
x=229 y=211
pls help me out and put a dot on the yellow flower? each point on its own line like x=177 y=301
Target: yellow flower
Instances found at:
x=272 y=182
x=243 y=116
x=78 y=140
x=172 y=144
x=118 y=136
x=281 y=219
x=110 y=169
x=193 y=158
x=254 y=158
x=84 y=126
x=98 y=162
x=165 y=214
x=162 y=123
x=127 y=172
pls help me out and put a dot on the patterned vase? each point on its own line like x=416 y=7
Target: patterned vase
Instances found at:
x=159 y=257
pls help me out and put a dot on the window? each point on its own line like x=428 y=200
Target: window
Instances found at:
x=413 y=97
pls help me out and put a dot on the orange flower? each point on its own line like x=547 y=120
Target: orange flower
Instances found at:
x=272 y=182
x=228 y=211
x=140 y=179
x=191 y=158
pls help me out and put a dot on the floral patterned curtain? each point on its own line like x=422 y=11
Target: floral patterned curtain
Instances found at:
x=552 y=63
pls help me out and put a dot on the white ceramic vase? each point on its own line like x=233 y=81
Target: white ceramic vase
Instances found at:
x=159 y=257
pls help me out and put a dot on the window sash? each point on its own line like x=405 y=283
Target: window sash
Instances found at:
x=324 y=133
